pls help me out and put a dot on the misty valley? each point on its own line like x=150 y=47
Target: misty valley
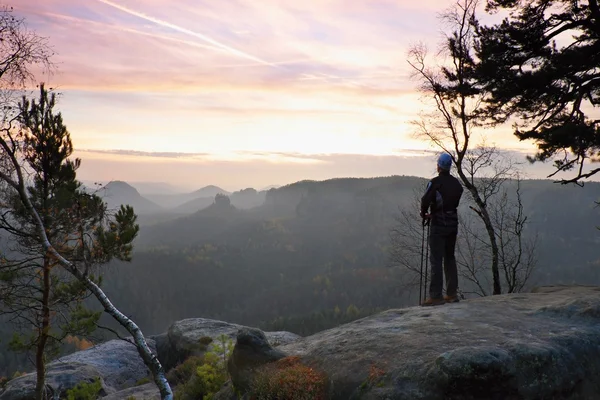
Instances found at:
x=306 y=256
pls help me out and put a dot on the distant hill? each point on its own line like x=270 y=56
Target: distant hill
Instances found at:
x=248 y=198
x=315 y=203
x=116 y=193
x=209 y=191
x=162 y=188
x=270 y=187
x=194 y=205
x=213 y=220
x=177 y=202
x=243 y=199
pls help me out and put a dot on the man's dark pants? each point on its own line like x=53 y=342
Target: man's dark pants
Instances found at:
x=442 y=242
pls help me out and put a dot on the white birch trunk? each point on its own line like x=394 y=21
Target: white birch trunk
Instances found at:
x=150 y=360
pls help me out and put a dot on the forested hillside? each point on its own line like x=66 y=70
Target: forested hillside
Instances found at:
x=316 y=254
x=320 y=247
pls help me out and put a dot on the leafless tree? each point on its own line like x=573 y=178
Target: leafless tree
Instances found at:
x=406 y=245
x=23 y=53
x=516 y=246
x=517 y=249
x=456 y=97
x=472 y=257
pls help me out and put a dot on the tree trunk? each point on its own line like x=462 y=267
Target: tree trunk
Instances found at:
x=492 y=236
x=144 y=351
x=40 y=359
x=150 y=360
x=489 y=227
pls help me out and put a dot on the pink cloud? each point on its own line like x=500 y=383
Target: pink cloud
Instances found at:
x=108 y=41
x=220 y=76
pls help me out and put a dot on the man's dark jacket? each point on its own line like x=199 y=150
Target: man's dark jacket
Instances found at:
x=442 y=196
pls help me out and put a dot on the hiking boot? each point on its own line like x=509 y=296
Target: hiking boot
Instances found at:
x=433 y=302
x=451 y=299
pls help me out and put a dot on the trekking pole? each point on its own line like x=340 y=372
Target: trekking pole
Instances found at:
x=426 y=260
x=421 y=275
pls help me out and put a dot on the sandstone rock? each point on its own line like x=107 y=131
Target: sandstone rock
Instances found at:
x=521 y=346
x=60 y=377
x=116 y=362
x=252 y=349
x=537 y=345
x=184 y=338
x=228 y=393
x=149 y=391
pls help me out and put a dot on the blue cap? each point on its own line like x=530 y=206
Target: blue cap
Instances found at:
x=445 y=161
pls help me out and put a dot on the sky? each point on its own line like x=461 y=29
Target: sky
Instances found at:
x=242 y=93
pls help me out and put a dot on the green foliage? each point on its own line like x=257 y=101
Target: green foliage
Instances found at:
x=289 y=379
x=374 y=379
x=17 y=343
x=540 y=64
x=184 y=371
x=143 y=381
x=116 y=240
x=18 y=374
x=204 y=341
x=222 y=348
x=85 y=391
x=77 y=225
x=210 y=375
x=82 y=322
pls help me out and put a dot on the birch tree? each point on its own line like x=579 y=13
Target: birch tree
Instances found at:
x=93 y=237
x=45 y=202
x=44 y=301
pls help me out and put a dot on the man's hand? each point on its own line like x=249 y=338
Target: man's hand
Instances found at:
x=426 y=218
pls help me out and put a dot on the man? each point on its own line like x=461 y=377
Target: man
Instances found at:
x=442 y=195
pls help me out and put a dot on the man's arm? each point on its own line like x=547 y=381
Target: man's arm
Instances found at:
x=427 y=198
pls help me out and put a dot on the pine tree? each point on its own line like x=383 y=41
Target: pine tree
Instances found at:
x=541 y=64
x=44 y=302
x=64 y=236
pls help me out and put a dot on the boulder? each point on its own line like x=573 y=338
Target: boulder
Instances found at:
x=189 y=337
x=116 y=362
x=539 y=345
x=252 y=350
x=148 y=391
x=59 y=377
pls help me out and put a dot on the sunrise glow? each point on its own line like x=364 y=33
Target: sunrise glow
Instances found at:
x=238 y=81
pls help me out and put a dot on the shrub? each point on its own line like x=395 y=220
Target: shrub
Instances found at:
x=17 y=374
x=85 y=391
x=210 y=374
x=375 y=377
x=184 y=371
x=288 y=379
x=143 y=381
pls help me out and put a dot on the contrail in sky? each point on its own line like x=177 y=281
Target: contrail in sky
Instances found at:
x=137 y=32
x=205 y=38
